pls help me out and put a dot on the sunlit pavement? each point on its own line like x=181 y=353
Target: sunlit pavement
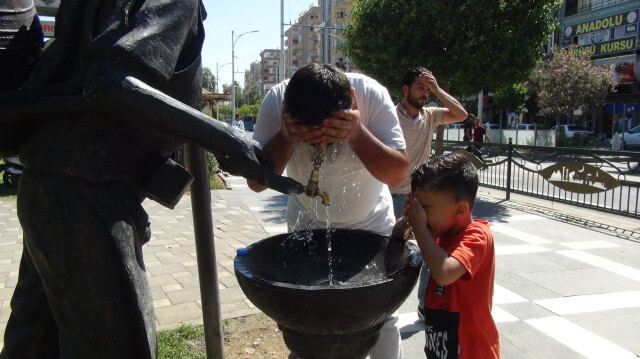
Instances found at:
x=567 y=280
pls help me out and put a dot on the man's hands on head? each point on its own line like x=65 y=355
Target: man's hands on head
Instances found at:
x=427 y=79
x=341 y=126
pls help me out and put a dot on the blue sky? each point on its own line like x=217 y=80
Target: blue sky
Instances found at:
x=224 y=16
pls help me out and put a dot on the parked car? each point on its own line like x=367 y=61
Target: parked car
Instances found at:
x=569 y=131
x=249 y=122
x=631 y=138
x=527 y=126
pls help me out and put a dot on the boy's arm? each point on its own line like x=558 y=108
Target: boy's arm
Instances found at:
x=400 y=228
x=444 y=268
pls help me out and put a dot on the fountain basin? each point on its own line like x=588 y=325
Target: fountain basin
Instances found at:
x=288 y=278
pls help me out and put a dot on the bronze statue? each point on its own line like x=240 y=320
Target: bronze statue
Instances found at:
x=94 y=121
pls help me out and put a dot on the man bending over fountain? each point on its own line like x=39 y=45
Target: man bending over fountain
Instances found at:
x=459 y=252
x=353 y=116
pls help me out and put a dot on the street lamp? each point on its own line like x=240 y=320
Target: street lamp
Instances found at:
x=234 y=39
x=217 y=82
x=346 y=56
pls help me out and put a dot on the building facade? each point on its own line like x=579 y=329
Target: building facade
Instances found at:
x=301 y=41
x=609 y=28
x=318 y=36
x=269 y=67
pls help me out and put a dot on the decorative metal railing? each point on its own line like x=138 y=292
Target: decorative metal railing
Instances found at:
x=599 y=179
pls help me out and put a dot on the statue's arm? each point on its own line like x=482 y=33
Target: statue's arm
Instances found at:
x=127 y=97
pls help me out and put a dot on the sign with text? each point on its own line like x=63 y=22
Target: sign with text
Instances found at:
x=608 y=36
x=48 y=27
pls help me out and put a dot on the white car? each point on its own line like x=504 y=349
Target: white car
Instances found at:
x=527 y=126
x=571 y=130
x=631 y=138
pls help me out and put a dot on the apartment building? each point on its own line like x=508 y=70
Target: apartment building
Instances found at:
x=269 y=67
x=609 y=28
x=335 y=15
x=318 y=36
x=301 y=41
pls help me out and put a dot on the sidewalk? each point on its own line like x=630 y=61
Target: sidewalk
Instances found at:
x=567 y=280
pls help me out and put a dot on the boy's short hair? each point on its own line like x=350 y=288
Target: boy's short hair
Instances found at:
x=315 y=91
x=451 y=173
x=411 y=75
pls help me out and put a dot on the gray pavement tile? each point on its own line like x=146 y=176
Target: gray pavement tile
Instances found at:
x=161 y=279
x=177 y=314
x=524 y=287
x=607 y=324
x=534 y=342
x=189 y=281
x=525 y=310
x=180 y=296
x=165 y=269
x=529 y=263
x=509 y=351
x=582 y=281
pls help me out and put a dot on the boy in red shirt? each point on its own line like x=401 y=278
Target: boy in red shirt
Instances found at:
x=459 y=252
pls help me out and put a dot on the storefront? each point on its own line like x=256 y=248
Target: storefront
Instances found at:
x=611 y=34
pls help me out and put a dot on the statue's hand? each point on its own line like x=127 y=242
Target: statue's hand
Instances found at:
x=253 y=163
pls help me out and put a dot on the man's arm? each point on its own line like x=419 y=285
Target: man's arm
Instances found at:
x=386 y=164
x=456 y=111
x=383 y=162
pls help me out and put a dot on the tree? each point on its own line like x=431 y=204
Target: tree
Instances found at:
x=208 y=80
x=470 y=45
x=239 y=93
x=569 y=81
x=254 y=94
x=512 y=98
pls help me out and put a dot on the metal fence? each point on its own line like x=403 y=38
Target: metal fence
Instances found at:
x=598 y=179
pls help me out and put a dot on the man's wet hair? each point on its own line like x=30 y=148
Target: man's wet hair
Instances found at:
x=452 y=173
x=315 y=91
x=411 y=75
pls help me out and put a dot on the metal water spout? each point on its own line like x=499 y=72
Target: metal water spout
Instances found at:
x=312 y=189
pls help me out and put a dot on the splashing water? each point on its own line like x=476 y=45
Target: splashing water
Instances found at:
x=329 y=254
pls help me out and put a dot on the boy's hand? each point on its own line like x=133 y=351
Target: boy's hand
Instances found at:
x=415 y=214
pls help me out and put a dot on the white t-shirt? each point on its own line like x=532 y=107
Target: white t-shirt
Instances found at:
x=239 y=125
x=358 y=200
x=418 y=136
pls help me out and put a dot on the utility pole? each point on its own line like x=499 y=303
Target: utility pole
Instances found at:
x=233 y=72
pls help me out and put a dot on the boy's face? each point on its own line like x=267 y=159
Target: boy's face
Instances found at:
x=441 y=210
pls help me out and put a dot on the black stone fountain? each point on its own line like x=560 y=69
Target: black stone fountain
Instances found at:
x=329 y=304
